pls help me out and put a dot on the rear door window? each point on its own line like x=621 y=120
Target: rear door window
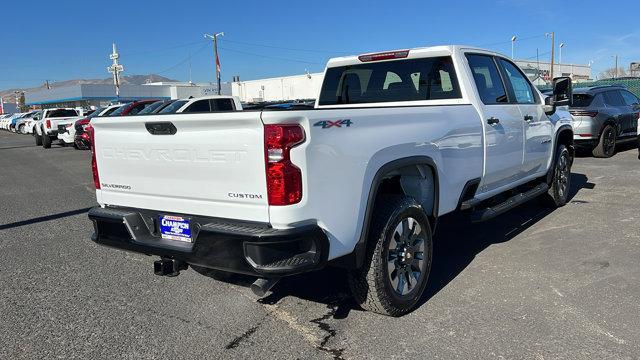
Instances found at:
x=613 y=98
x=221 y=105
x=198 y=106
x=487 y=79
x=399 y=80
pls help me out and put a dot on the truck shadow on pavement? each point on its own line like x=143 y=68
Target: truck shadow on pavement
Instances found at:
x=456 y=244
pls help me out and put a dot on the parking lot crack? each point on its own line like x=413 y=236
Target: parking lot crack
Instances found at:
x=244 y=336
x=330 y=333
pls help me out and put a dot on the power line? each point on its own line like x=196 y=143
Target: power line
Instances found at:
x=509 y=41
x=204 y=46
x=286 y=48
x=270 y=57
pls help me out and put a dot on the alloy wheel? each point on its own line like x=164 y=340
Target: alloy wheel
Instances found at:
x=405 y=261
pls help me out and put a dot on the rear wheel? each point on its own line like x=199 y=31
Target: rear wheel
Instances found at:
x=46 y=140
x=398 y=258
x=606 y=147
x=21 y=129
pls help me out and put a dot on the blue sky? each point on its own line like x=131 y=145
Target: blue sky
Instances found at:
x=59 y=40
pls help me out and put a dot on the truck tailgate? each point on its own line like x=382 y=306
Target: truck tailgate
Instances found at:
x=213 y=165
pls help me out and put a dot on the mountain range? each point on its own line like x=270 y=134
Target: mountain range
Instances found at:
x=9 y=96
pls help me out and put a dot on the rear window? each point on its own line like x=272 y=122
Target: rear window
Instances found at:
x=399 y=80
x=62 y=113
x=582 y=100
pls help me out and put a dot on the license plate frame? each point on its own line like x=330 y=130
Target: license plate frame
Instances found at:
x=176 y=228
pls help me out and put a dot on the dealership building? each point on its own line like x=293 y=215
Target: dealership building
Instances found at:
x=87 y=95
x=307 y=86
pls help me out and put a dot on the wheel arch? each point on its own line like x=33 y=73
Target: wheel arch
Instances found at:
x=415 y=176
x=564 y=136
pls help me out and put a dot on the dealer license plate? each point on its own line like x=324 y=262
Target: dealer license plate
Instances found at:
x=175 y=228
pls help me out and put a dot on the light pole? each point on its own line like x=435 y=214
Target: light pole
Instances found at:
x=214 y=37
x=560 y=55
x=115 y=69
x=616 y=66
x=553 y=48
x=513 y=43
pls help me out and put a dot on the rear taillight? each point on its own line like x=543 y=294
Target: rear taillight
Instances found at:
x=284 y=180
x=94 y=164
x=583 y=113
x=48 y=123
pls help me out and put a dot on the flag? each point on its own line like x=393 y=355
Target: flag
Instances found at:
x=217 y=66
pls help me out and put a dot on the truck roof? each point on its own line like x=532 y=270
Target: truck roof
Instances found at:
x=417 y=52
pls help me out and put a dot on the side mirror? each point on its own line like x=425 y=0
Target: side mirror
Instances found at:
x=562 y=94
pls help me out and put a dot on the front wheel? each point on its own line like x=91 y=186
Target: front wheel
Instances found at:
x=38 y=138
x=398 y=258
x=558 y=193
x=21 y=129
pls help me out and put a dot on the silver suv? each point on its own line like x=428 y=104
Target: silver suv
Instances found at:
x=603 y=116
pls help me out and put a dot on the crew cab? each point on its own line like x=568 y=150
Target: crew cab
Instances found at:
x=395 y=140
x=52 y=122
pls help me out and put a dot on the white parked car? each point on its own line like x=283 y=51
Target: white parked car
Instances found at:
x=24 y=121
x=205 y=104
x=52 y=122
x=31 y=122
x=396 y=140
x=4 y=119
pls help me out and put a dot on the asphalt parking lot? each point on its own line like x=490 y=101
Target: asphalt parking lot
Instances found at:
x=534 y=284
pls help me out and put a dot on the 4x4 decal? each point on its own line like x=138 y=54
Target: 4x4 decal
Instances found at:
x=325 y=124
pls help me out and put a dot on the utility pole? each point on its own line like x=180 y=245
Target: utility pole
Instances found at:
x=115 y=69
x=553 y=48
x=214 y=37
x=616 y=71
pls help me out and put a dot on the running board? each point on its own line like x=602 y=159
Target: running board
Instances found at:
x=516 y=200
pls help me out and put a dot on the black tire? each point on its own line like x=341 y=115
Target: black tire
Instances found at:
x=606 y=147
x=46 y=140
x=558 y=193
x=21 y=129
x=38 y=138
x=372 y=285
x=75 y=146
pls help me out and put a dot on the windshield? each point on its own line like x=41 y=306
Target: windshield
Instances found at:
x=95 y=113
x=110 y=111
x=119 y=110
x=173 y=107
x=150 y=108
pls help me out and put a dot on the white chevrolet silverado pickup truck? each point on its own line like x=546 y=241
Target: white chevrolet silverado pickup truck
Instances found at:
x=395 y=140
x=51 y=123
